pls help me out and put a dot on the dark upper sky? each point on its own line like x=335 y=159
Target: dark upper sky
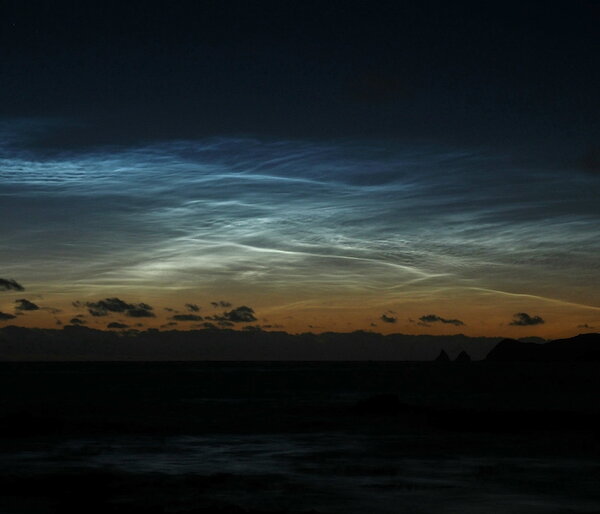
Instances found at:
x=406 y=166
x=493 y=74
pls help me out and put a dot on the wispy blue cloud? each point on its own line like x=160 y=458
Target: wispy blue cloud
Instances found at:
x=341 y=217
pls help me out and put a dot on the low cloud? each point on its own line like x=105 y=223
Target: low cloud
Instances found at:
x=187 y=317
x=242 y=314
x=115 y=324
x=9 y=284
x=25 y=305
x=77 y=321
x=108 y=305
x=388 y=319
x=585 y=325
x=522 y=319
x=434 y=318
x=142 y=311
x=221 y=303
x=5 y=316
x=192 y=307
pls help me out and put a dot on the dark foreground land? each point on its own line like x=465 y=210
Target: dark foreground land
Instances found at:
x=480 y=437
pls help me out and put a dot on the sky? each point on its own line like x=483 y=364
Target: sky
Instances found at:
x=397 y=167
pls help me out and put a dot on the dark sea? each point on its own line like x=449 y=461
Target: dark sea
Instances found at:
x=301 y=438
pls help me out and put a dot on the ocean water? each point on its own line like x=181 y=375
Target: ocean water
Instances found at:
x=322 y=472
x=298 y=438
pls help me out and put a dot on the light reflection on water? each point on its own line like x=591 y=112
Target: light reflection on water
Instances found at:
x=339 y=471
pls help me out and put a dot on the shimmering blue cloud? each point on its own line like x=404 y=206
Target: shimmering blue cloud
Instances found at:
x=323 y=219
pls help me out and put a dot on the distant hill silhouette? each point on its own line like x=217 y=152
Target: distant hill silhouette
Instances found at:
x=584 y=347
x=80 y=343
x=463 y=357
x=442 y=357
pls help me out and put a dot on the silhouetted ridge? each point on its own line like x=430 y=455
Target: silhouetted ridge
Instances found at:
x=442 y=357
x=463 y=357
x=584 y=347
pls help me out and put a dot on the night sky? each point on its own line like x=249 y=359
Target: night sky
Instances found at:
x=415 y=167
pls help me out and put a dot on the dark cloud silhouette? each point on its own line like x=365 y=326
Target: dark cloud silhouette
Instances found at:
x=221 y=303
x=4 y=316
x=433 y=318
x=192 y=307
x=25 y=305
x=388 y=319
x=522 y=319
x=187 y=317
x=140 y=312
x=242 y=314
x=169 y=324
x=108 y=305
x=77 y=321
x=169 y=309
x=252 y=328
x=9 y=284
x=585 y=325
x=116 y=324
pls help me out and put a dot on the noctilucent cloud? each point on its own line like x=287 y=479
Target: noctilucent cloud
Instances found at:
x=335 y=235
x=417 y=167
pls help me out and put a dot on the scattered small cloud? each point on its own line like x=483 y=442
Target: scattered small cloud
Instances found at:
x=77 y=321
x=117 y=325
x=221 y=303
x=434 y=318
x=169 y=324
x=5 y=316
x=388 y=319
x=142 y=311
x=585 y=325
x=522 y=319
x=242 y=314
x=9 y=284
x=187 y=317
x=25 y=305
x=108 y=305
x=272 y=326
x=192 y=307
